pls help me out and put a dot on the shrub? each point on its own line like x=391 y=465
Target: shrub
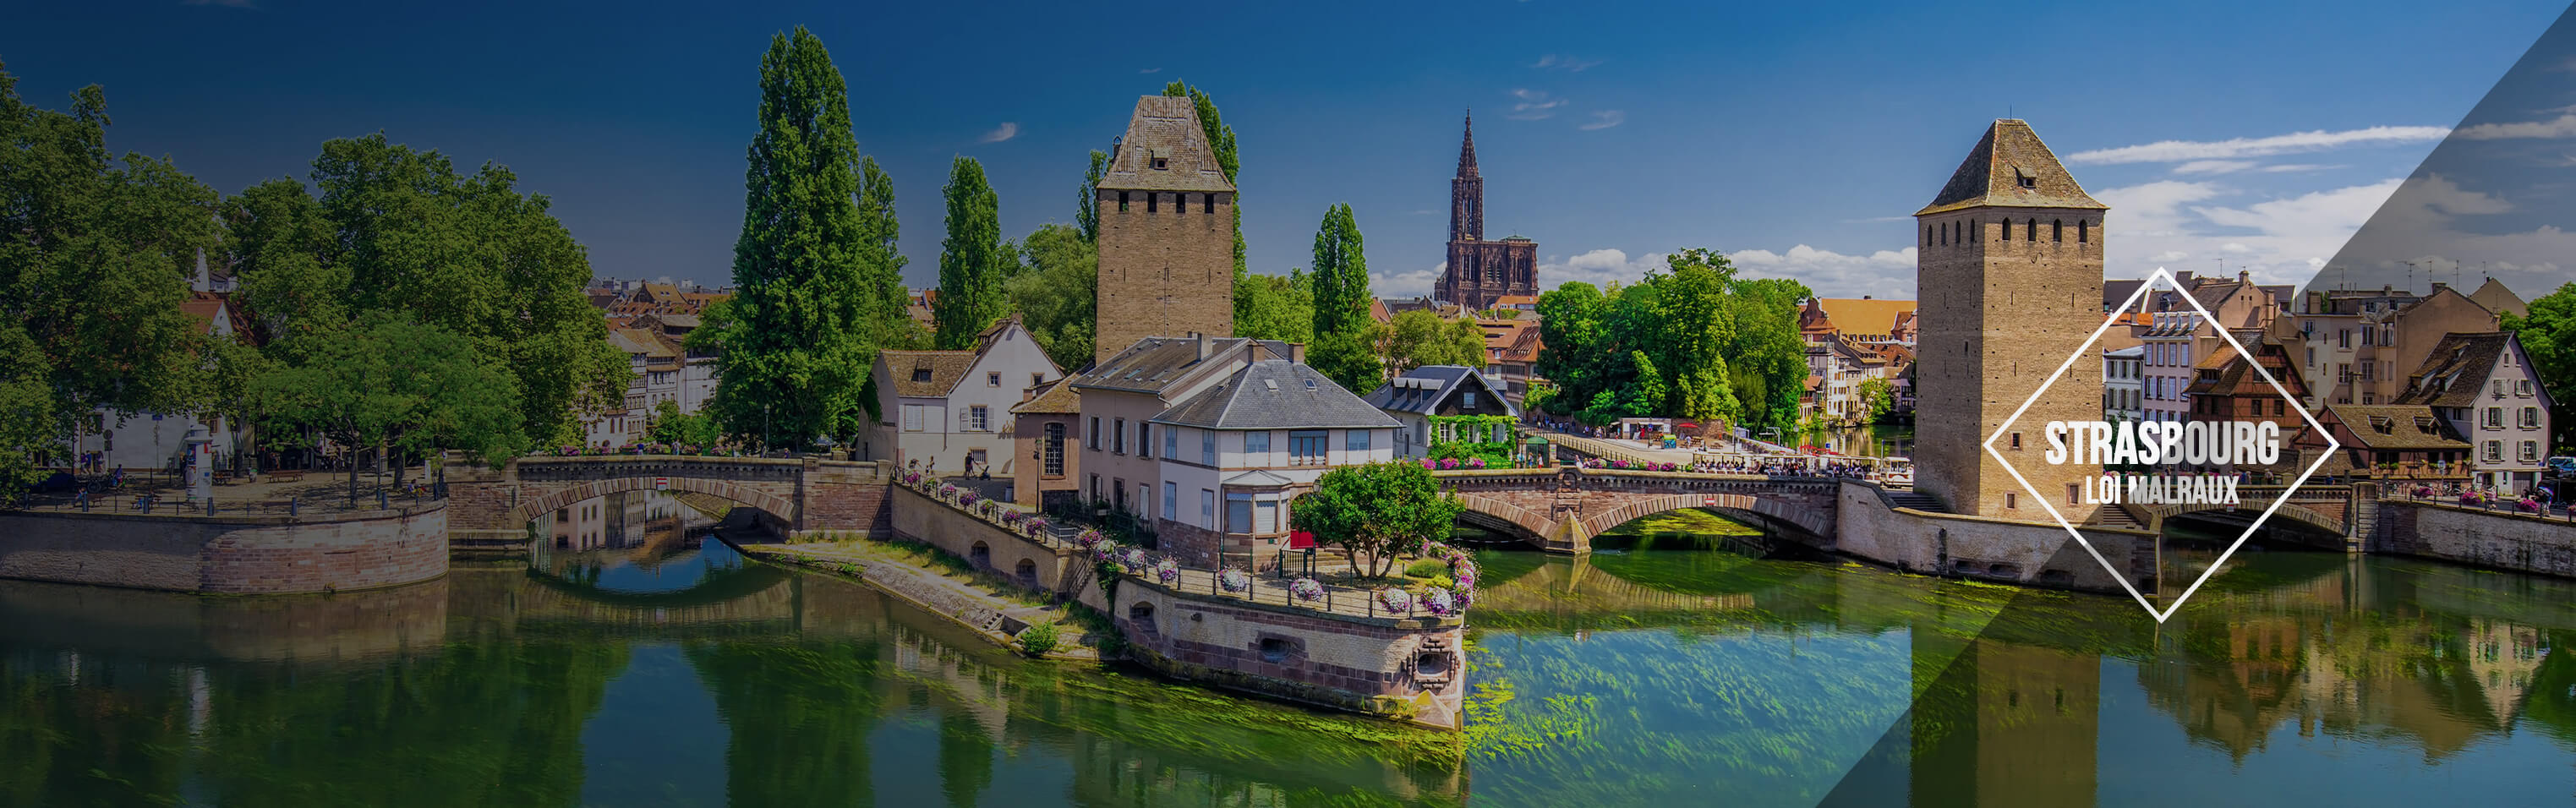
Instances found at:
x=1426 y=568
x=1038 y=639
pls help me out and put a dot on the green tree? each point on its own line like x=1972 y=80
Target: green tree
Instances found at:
x=2548 y=334
x=888 y=305
x=1418 y=338
x=1276 y=308
x=670 y=425
x=797 y=339
x=1877 y=398
x=1086 y=216
x=1350 y=358
x=1056 y=296
x=95 y=255
x=1375 y=512
x=1340 y=273
x=973 y=261
x=390 y=383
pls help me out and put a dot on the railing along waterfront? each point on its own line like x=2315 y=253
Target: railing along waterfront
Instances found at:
x=1317 y=595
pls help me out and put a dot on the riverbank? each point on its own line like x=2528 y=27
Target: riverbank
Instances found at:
x=945 y=586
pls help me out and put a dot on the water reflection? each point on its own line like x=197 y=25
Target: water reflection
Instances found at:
x=1636 y=677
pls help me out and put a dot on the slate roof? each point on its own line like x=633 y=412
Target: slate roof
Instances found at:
x=1053 y=398
x=2455 y=372
x=946 y=369
x=1153 y=362
x=1276 y=394
x=2499 y=299
x=1430 y=385
x=1991 y=176
x=2407 y=427
x=1166 y=127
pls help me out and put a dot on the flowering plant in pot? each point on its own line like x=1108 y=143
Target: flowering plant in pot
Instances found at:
x=2528 y=505
x=1167 y=572
x=1439 y=601
x=1234 y=580
x=1089 y=538
x=1395 y=600
x=1132 y=559
x=1306 y=589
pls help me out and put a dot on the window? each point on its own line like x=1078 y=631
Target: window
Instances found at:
x=2531 y=417
x=1356 y=440
x=1238 y=512
x=1095 y=437
x=921 y=374
x=1306 y=448
x=2030 y=229
x=2011 y=501
x=2521 y=387
x=2007 y=229
x=1161 y=163
x=1145 y=440
x=2083 y=231
x=2074 y=494
x=1054 y=450
x=1171 y=492
x=1122 y=201
x=2026 y=181
x=1181 y=203
x=2495 y=451
x=979 y=418
x=1036 y=379
x=1171 y=442
x=2057 y=230
x=1466 y=399
x=2279 y=408
x=1207 y=204
x=1265 y=516
x=1154 y=199
x=1256 y=443
x=1207 y=509
x=992 y=380
x=2495 y=417
x=1118 y=436
x=2530 y=451
x=912 y=417
x=2016 y=441
x=1207 y=447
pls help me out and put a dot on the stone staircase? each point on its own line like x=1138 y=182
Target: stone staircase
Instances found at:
x=1913 y=499
x=2118 y=516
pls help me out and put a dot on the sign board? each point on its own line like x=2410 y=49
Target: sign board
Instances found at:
x=661 y=483
x=1708 y=501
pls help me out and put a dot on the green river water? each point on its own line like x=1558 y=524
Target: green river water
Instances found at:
x=1636 y=677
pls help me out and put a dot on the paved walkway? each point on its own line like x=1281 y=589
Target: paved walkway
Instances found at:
x=879 y=562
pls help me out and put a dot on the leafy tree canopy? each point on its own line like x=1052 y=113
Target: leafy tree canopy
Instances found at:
x=1375 y=512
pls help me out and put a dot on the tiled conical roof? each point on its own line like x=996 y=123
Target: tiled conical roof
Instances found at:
x=2010 y=167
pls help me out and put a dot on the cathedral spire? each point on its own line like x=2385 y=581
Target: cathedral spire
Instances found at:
x=1467 y=148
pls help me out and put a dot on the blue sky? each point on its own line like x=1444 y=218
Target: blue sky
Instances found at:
x=1799 y=142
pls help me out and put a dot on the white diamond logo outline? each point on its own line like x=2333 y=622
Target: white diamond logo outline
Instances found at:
x=2332 y=446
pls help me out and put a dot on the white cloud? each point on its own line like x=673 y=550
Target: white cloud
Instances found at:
x=2213 y=166
x=1885 y=273
x=1150 y=70
x=1566 y=63
x=1411 y=283
x=2171 y=224
x=1533 y=104
x=2152 y=209
x=1604 y=119
x=2289 y=167
x=2175 y=151
x=1000 y=133
x=2562 y=126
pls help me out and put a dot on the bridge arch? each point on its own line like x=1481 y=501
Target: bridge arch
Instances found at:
x=529 y=509
x=2297 y=511
x=1536 y=525
x=1814 y=521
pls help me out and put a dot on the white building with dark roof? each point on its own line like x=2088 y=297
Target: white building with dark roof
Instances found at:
x=2484 y=385
x=1431 y=391
x=1234 y=456
x=950 y=411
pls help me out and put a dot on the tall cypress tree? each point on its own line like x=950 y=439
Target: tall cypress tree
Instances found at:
x=1340 y=273
x=797 y=342
x=1087 y=216
x=883 y=262
x=971 y=260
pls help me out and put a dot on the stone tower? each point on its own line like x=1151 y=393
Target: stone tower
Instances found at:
x=1166 y=232
x=2009 y=271
x=1478 y=271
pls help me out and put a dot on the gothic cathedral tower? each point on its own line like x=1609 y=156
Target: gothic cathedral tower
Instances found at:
x=1479 y=271
x=2009 y=270
x=1166 y=232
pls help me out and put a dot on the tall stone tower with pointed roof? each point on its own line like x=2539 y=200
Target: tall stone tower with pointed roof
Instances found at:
x=2008 y=268
x=1166 y=232
x=1478 y=270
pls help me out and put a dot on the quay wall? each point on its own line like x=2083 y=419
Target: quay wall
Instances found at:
x=2494 y=539
x=230 y=554
x=1408 y=669
x=1984 y=548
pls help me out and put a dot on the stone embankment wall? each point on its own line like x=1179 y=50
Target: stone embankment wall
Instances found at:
x=306 y=630
x=1406 y=669
x=1402 y=668
x=2496 y=539
x=228 y=554
x=1985 y=548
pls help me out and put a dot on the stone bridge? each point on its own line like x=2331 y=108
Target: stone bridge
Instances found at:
x=793 y=495
x=1561 y=509
x=2327 y=508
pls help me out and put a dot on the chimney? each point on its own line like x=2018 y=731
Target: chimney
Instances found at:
x=1205 y=342
x=1297 y=352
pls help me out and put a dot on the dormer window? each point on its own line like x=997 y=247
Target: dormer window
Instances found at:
x=1162 y=163
x=2025 y=180
x=921 y=374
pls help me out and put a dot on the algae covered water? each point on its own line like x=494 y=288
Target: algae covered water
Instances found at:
x=1635 y=677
